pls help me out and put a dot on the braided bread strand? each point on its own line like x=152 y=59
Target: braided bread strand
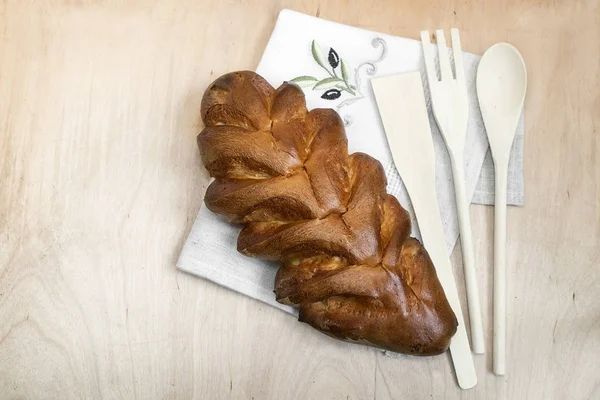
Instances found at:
x=347 y=260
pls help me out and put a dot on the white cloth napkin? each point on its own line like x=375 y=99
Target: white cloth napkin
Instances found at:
x=334 y=64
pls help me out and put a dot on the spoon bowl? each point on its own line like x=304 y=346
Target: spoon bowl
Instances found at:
x=501 y=87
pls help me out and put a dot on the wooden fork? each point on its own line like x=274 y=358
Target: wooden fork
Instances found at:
x=451 y=110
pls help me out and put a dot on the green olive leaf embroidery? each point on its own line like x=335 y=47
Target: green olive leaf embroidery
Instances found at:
x=326 y=83
x=305 y=80
x=318 y=55
x=345 y=73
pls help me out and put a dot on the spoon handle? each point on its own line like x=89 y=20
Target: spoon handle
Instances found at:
x=500 y=269
x=468 y=254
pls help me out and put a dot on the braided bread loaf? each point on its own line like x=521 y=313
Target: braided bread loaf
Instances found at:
x=343 y=243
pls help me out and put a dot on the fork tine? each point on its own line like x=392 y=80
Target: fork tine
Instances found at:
x=445 y=71
x=429 y=59
x=458 y=56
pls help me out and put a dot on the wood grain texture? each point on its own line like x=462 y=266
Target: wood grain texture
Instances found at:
x=100 y=180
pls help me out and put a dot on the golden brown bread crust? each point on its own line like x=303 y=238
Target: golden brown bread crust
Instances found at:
x=347 y=259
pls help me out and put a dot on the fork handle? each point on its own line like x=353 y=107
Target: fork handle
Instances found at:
x=468 y=254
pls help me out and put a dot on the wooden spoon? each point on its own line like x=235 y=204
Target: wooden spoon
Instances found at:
x=501 y=87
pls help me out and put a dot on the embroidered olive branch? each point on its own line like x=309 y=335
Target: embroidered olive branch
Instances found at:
x=334 y=84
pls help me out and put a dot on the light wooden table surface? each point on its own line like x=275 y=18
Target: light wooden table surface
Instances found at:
x=100 y=181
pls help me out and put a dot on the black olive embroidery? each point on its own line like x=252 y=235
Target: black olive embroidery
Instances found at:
x=331 y=94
